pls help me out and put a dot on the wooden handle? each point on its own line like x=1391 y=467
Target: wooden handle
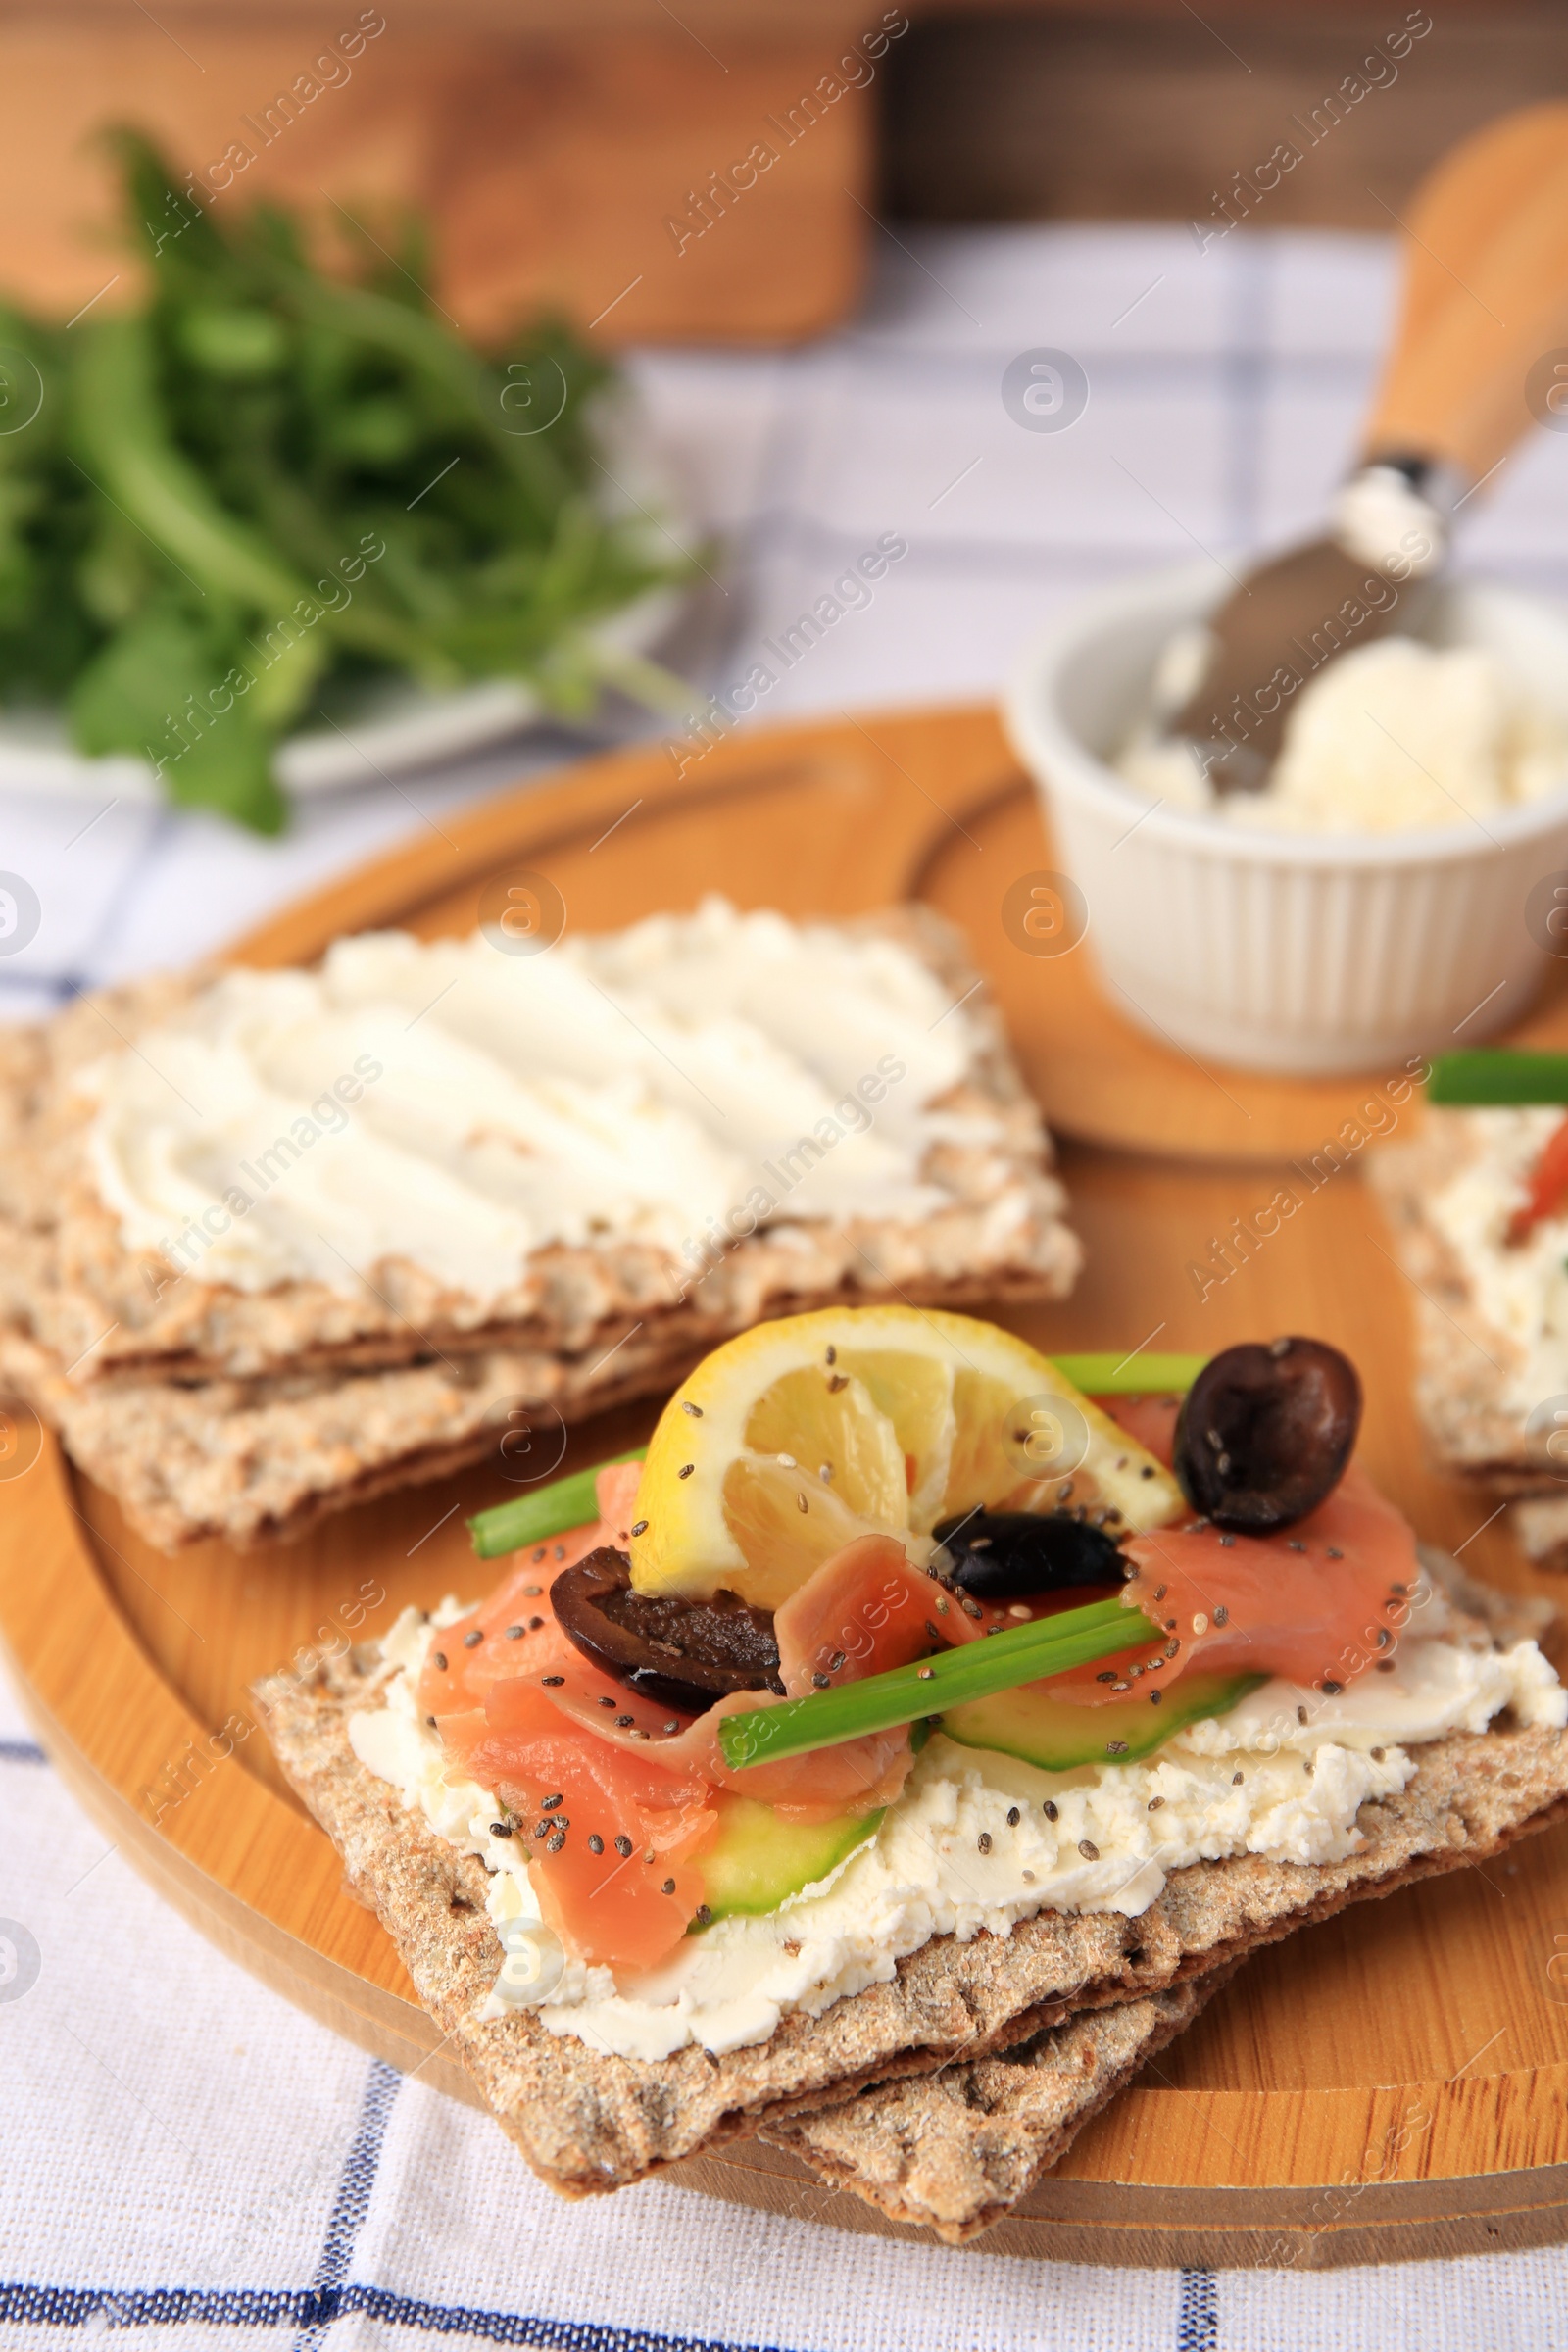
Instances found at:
x=1485 y=293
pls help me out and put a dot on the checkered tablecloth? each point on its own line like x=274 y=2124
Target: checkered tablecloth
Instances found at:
x=184 y=2161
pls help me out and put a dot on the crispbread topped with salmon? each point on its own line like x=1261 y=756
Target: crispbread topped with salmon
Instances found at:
x=913 y=1694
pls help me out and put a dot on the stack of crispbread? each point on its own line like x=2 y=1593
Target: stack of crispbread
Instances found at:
x=940 y=2096
x=212 y=1410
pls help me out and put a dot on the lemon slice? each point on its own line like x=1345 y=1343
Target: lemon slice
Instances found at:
x=789 y=1442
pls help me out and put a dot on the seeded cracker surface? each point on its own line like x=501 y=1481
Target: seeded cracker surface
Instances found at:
x=588 y=2123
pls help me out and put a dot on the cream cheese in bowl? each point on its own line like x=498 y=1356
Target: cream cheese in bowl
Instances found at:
x=1390 y=737
x=1370 y=906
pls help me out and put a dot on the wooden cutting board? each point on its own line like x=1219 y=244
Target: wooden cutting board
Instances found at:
x=1393 y=2083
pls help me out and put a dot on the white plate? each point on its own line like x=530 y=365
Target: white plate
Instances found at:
x=393 y=728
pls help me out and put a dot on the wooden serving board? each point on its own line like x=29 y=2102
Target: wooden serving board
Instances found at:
x=1393 y=2083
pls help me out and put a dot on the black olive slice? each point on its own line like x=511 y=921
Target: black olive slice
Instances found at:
x=1007 y=1555
x=680 y=1653
x=1265 y=1432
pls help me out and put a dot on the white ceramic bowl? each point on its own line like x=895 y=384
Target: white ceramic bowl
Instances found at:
x=1284 y=952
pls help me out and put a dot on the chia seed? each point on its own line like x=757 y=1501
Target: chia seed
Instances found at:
x=1050 y=1810
x=441 y=1660
x=640 y=1528
x=983 y=1841
x=1089 y=1850
x=513 y=1633
x=1012 y=1817
x=623 y=1847
x=473 y=1640
x=595 y=1844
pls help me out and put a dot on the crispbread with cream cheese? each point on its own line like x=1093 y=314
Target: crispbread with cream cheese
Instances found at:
x=589 y=2121
x=1464 y=1364
x=103 y=1310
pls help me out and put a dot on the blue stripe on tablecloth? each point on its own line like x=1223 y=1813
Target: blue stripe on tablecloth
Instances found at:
x=21 y=1751
x=353 y=2199
x=1198 y=2319
x=38 y=2306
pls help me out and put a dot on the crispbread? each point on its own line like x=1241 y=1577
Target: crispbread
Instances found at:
x=102 y=1311
x=1463 y=1364
x=260 y=1461
x=590 y=2123
x=955 y=2150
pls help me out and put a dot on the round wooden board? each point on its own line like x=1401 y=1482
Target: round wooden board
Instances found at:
x=1391 y=2083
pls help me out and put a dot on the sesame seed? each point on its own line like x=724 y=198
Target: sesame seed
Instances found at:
x=1089 y=1850
x=638 y=1527
x=1017 y=1608
x=623 y=1847
x=1050 y=1810
x=607 y=1702
x=832 y=1353
x=824 y=1471
x=1155 y=1803
x=926 y=1674
x=668 y=1887
x=1200 y=1623
x=1121 y=1685
x=513 y=1633
x=672 y=1724
x=1014 y=1817
x=943 y=1608
x=687 y=1407
x=685 y=1469
x=1065 y=1490
x=501 y=1829
x=787 y=1461
x=1335 y=1553
x=648 y=1857
x=1279 y=1348
x=970 y=1608
x=441 y=1660
x=595 y=1844
x=538 y=1555
x=801 y=1502
x=1028 y=1877
x=932 y=1631
x=1228 y=1543
x=552 y=1682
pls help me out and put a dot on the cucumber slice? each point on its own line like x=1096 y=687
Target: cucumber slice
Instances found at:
x=1057 y=1737
x=757 y=1860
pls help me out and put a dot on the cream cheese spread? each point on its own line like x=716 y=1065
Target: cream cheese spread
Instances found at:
x=1520 y=1289
x=454 y=1105
x=1392 y=736
x=1259 y=1779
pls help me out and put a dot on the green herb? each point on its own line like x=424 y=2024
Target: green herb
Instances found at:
x=1492 y=1075
x=569 y=1502
x=884 y=1701
x=1119 y=1375
x=224 y=512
